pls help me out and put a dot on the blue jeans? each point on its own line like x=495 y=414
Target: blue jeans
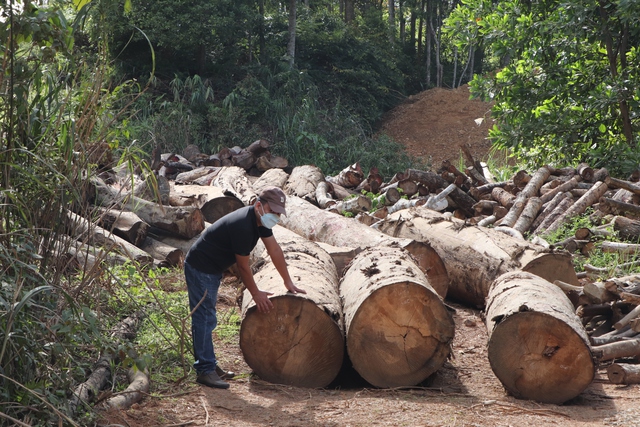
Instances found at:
x=203 y=320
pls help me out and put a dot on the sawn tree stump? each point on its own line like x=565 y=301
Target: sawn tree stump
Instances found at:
x=398 y=329
x=537 y=347
x=300 y=341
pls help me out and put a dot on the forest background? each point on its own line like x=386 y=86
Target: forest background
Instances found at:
x=86 y=84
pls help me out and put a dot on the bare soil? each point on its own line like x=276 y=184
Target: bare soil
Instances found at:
x=464 y=392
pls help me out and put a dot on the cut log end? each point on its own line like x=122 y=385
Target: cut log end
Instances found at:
x=538 y=357
x=405 y=332
x=296 y=343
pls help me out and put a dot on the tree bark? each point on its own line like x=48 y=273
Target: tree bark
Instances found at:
x=530 y=190
x=528 y=214
x=611 y=206
x=591 y=196
x=303 y=181
x=398 y=330
x=475 y=256
x=617 y=350
x=624 y=373
x=272 y=177
x=233 y=181
x=183 y=221
x=82 y=228
x=537 y=346
x=168 y=256
x=126 y=225
x=627 y=228
x=319 y=225
x=300 y=341
x=212 y=201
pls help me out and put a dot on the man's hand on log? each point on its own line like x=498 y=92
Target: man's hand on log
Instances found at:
x=293 y=288
x=262 y=301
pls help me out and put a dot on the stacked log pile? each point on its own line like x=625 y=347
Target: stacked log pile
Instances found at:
x=463 y=231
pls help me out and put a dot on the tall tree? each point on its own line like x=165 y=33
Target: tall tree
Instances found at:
x=291 y=46
x=568 y=86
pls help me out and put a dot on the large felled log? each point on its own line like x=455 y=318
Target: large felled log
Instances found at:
x=398 y=330
x=319 y=225
x=123 y=224
x=82 y=228
x=272 y=177
x=182 y=221
x=233 y=180
x=300 y=341
x=475 y=256
x=537 y=346
x=168 y=255
x=212 y=201
x=303 y=181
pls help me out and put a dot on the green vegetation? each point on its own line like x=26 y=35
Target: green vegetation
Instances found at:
x=89 y=83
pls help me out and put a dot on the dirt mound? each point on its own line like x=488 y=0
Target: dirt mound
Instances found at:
x=435 y=123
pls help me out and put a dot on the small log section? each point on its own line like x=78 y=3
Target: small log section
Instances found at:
x=475 y=256
x=537 y=346
x=300 y=341
x=624 y=373
x=319 y=225
x=398 y=329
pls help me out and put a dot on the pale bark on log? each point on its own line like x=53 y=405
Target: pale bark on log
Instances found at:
x=168 y=256
x=619 y=183
x=82 y=228
x=537 y=346
x=620 y=248
x=300 y=341
x=319 y=225
x=478 y=192
x=528 y=214
x=617 y=350
x=233 y=180
x=349 y=177
x=87 y=391
x=627 y=228
x=475 y=256
x=624 y=373
x=272 y=177
x=398 y=329
x=562 y=188
x=547 y=209
x=521 y=178
x=354 y=205
x=323 y=195
x=183 y=221
x=503 y=197
x=126 y=225
x=303 y=181
x=190 y=176
x=212 y=201
x=530 y=190
x=633 y=314
x=564 y=204
x=611 y=206
x=137 y=389
x=592 y=196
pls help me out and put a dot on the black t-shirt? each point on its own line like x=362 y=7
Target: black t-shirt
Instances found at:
x=235 y=233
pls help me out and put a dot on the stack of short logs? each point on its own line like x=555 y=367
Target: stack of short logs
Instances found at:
x=417 y=238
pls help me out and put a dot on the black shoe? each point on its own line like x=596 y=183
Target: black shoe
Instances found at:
x=224 y=375
x=211 y=379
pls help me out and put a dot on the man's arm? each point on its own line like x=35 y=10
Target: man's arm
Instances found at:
x=277 y=257
x=261 y=298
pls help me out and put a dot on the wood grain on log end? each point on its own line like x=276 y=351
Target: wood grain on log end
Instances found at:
x=537 y=347
x=296 y=343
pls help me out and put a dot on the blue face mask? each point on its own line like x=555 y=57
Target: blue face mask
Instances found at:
x=269 y=220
